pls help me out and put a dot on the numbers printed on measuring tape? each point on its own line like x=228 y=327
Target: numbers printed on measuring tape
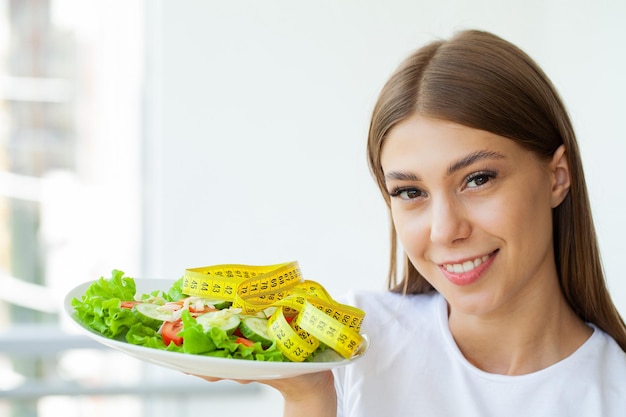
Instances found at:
x=223 y=281
x=342 y=338
x=296 y=346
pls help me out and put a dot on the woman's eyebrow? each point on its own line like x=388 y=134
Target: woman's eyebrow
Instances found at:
x=402 y=176
x=472 y=158
x=453 y=167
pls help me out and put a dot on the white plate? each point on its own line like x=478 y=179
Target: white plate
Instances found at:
x=202 y=365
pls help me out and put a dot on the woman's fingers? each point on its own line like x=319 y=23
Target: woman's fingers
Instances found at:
x=215 y=379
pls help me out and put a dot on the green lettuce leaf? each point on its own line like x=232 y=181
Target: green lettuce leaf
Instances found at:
x=195 y=339
x=100 y=306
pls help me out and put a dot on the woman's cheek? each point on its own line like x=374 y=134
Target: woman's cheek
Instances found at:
x=411 y=230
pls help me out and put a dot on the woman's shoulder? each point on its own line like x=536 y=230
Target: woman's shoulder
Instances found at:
x=605 y=349
x=596 y=369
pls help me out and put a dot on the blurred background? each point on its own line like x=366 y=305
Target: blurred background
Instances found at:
x=156 y=135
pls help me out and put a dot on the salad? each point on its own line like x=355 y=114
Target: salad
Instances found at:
x=170 y=320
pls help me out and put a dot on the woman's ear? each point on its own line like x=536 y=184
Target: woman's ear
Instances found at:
x=559 y=170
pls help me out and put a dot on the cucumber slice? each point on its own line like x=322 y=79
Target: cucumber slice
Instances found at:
x=223 y=319
x=154 y=312
x=219 y=304
x=255 y=329
x=326 y=355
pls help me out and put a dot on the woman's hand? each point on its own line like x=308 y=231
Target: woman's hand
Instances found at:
x=311 y=394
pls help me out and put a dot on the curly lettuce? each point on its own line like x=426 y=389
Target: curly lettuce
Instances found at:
x=100 y=307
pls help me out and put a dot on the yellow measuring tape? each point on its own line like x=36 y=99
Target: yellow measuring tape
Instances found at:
x=319 y=318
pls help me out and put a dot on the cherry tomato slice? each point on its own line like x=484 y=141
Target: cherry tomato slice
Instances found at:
x=170 y=331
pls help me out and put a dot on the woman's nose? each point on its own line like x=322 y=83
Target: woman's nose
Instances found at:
x=449 y=222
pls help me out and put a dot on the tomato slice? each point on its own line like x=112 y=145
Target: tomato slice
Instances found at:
x=244 y=341
x=128 y=304
x=170 y=330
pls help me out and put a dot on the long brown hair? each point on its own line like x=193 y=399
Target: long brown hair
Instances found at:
x=479 y=80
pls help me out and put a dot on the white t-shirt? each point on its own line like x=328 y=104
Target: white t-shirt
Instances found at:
x=414 y=367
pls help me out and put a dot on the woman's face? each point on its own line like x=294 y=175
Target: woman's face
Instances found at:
x=473 y=211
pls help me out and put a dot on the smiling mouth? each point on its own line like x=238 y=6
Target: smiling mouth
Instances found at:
x=466 y=266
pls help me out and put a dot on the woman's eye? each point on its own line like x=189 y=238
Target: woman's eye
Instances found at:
x=406 y=193
x=479 y=179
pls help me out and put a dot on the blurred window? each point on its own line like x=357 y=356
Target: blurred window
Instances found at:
x=70 y=93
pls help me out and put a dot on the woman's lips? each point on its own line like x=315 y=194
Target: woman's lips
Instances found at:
x=467 y=272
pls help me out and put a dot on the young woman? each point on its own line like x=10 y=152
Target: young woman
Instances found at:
x=502 y=307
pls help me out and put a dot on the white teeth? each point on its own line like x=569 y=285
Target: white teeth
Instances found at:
x=465 y=266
